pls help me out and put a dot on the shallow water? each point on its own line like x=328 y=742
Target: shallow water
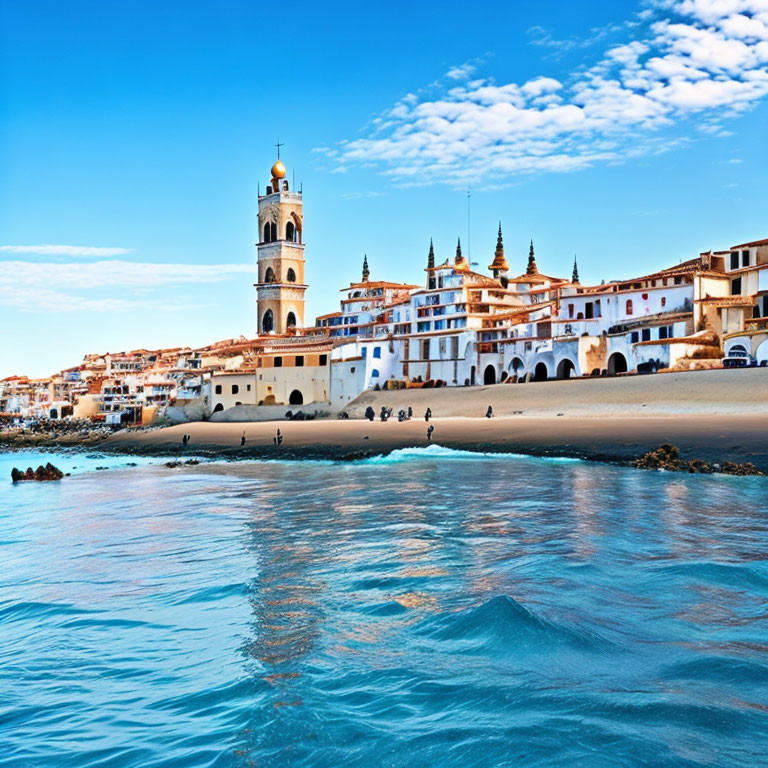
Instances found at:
x=429 y=609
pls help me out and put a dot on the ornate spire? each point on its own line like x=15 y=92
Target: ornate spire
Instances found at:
x=366 y=272
x=499 y=262
x=431 y=279
x=459 y=258
x=532 y=268
x=575 y=276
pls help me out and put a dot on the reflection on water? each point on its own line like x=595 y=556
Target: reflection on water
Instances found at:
x=421 y=611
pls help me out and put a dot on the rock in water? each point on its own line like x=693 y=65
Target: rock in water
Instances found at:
x=41 y=474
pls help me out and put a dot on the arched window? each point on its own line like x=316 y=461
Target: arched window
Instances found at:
x=267 y=322
x=375 y=373
x=290 y=276
x=269 y=275
x=290 y=232
x=266 y=232
x=629 y=306
x=272 y=231
x=290 y=320
x=663 y=301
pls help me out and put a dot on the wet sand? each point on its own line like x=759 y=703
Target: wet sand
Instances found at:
x=715 y=438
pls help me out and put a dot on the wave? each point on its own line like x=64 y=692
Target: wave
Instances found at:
x=502 y=625
x=441 y=452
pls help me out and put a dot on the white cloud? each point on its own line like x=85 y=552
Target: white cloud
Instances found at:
x=62 y=287
x=64 y=250
x=699 y=63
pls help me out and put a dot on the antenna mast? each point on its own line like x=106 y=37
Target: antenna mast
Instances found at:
x=469 y=240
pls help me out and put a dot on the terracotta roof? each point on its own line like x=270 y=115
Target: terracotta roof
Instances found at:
x=752 y=244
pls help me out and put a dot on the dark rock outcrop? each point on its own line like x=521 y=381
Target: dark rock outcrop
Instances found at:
x=668 y=457
x=41 y=474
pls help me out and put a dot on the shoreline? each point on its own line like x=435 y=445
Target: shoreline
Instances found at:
x=714 y=438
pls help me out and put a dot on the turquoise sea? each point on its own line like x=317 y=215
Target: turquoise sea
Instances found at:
x=430 y=608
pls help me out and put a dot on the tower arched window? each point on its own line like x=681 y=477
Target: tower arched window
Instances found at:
x=290 y=320
x=290 y=232
x=290 y=276
x=266 y=232
x=268 y=322
x=272 y=231
x=269 y=275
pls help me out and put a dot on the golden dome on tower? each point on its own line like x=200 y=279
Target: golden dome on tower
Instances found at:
x=278 y=170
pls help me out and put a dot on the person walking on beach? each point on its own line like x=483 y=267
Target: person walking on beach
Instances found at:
x=489 y=412
x=185 y=440
x=278 y=438
x=242 y=439
x=430 y=430
x=428 y=414
x=410 y=412
x=370 y=414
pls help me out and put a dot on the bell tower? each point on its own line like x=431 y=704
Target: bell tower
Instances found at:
x=280 y=288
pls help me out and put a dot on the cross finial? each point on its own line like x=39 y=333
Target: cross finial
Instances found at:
x=278 y=145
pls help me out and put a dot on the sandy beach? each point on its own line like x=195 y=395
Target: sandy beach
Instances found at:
x=713 y=415
x=713 y=438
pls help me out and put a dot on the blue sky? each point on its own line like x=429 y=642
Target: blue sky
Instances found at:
x=630 y=133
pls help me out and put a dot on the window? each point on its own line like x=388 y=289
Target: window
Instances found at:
x=678 y=280
x=635 y=337
x=299 y=361
x=364 y=352
x=745 y=258
x=645 y=297
x=629 y=306
x=290 y=320
x=290 y=232
x=589 y=311
x=235 y=389
x=269 y=275
x=736 y=286
x=278 y=362
x=425 y=349
x=570 y=310
x=663 y=301
x=218 y=389
x=663 y=332
x=646 y=334
x=735 y=260
x=377 y=352
x=323 y=359
x=290 y=275
x=248 y=387
x=374 y=374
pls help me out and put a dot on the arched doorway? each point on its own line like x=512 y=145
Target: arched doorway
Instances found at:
x=489 y=375
x=565 y=369
x=296 y=398
x=290 y=320
x=268 y=322
x=219 y=407
x=617 y=363
x=540 y=373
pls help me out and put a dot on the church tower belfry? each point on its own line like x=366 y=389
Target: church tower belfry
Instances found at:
x=280 y=288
